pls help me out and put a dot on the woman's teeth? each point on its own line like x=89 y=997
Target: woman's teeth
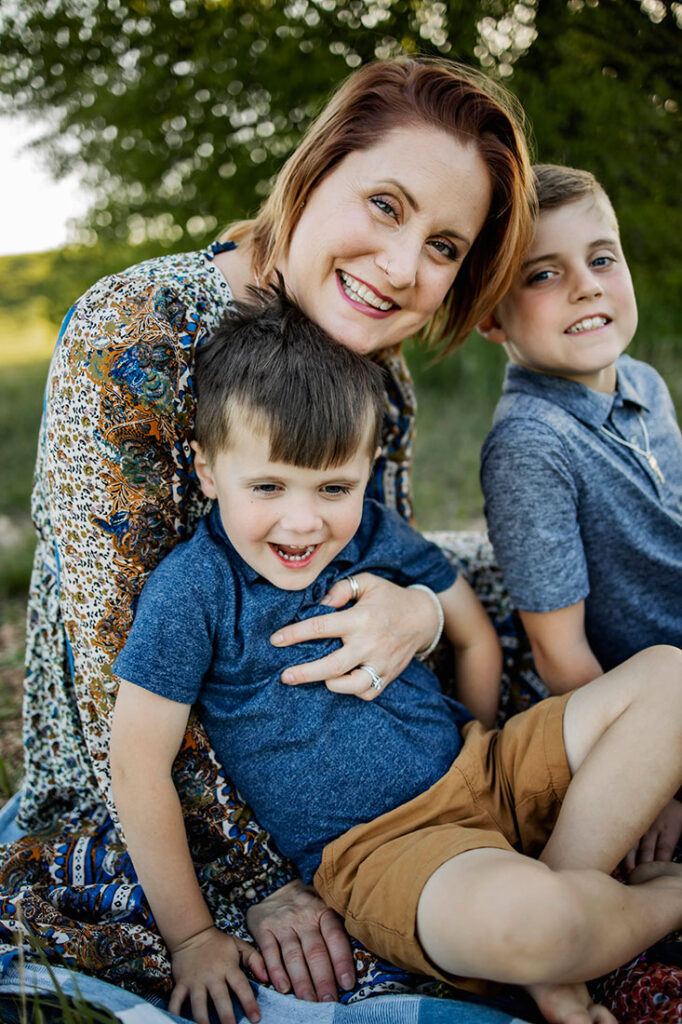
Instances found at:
x=361 y=293
x=294 y=554
x=589 y=323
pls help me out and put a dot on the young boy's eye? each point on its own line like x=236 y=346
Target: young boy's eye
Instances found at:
x=335 y=490
x=265 y=488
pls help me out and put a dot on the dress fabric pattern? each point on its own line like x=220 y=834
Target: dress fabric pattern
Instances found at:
x=114 y=491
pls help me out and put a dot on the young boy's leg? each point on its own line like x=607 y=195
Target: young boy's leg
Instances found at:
x=558 y=921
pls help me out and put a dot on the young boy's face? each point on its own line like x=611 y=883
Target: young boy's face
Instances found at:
x=571 y=311
x=287 y=523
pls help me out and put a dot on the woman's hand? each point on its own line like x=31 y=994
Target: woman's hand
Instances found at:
x=385 y=628
x=303 y=942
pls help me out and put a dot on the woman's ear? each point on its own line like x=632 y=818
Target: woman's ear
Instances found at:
x=203 y=470
x=491 y=328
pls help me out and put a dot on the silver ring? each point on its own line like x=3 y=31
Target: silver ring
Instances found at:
x=354 y=588
x=377 y=681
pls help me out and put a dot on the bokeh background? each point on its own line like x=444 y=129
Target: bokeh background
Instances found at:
x=175 y=115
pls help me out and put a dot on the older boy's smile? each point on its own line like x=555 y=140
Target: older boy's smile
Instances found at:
x=588 y=323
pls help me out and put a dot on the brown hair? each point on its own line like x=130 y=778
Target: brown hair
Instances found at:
x=557 y=186
x=406 y=91
x=317 y=400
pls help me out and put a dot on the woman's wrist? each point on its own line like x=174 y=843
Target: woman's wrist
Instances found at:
x=424 y=652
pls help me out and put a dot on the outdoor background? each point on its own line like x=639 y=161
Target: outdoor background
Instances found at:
x=175 y=115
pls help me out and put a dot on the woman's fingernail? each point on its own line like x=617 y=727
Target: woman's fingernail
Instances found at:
x=277 y=638
x=288 y=677
x=328 y=998
x=347 y=980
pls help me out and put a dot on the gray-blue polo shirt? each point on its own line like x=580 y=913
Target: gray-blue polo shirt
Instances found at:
x=311 y=763
x=575 y=515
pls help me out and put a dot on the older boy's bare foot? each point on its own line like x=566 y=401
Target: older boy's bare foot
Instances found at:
x=649 y=870
x=569 y=1004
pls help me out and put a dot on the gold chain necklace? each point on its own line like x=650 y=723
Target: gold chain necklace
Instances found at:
x=646 y=452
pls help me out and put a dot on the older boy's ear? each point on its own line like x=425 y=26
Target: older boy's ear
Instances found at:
x=203 y=471
x=491 y=328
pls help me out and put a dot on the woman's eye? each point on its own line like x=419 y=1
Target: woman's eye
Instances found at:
x=384 y=206
x=446 y=249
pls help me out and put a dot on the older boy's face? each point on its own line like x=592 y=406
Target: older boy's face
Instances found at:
x=287 y=523
x=572 y=310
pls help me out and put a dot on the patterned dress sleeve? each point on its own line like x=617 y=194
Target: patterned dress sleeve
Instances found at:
x=114 y=492
x=391 y=481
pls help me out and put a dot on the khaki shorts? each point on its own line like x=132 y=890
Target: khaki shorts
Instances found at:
x=504 y=790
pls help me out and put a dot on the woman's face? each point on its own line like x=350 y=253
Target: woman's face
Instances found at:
x=382 y=237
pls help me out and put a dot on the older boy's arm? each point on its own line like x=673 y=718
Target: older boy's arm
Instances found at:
x=146 y=734
x=563 y=657
x=478 y=656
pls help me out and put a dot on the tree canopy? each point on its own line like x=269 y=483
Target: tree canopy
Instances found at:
x=176 y=113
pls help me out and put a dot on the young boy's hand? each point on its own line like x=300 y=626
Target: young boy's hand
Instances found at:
x=209 y=964
x=658 y=842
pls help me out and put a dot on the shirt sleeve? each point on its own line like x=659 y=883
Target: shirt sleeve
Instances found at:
x=170 y=645
x=396 y=550
x=531 y=505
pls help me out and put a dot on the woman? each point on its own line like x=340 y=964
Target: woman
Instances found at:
x=405 y=209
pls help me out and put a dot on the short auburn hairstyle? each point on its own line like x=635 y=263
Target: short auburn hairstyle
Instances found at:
x=386 y=95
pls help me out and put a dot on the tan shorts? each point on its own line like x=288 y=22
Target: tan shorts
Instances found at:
x=504 y=790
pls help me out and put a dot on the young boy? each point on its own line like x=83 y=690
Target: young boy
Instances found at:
x=428 y=806
x=582 y=470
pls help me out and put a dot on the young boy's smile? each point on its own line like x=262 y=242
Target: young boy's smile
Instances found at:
x=572 y=311
x=286 y=522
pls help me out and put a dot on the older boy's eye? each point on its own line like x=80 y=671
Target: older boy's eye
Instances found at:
x=540 y=277
x=602 y=261
x=266 y=488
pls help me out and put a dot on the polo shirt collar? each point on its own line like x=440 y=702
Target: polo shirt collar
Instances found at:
x=591 y=407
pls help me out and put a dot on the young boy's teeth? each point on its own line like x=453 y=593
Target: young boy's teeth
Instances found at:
x=590 y=323
x=361 y=293
x=293 y=554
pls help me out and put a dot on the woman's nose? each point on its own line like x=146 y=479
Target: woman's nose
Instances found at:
x=399 y=262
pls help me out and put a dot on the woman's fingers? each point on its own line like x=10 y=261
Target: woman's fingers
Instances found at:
x=357 y=683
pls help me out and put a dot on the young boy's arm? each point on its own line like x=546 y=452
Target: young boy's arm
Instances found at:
x=146 y=734
x=478 y=656
x=563 y=656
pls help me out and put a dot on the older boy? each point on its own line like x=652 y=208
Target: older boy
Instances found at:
x=430 y=808
x=582 y=470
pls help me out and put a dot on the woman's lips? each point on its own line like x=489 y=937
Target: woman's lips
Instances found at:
x=363 y=298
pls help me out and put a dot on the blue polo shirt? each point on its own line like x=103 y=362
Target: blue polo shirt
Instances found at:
x=575 y=515
x=311 y=763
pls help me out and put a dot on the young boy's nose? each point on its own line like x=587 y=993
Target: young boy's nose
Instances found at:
x=301 y=518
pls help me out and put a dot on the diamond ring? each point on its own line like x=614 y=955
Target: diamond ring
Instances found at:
x=377 y=681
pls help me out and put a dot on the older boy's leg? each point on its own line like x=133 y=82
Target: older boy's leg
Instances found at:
x=552 y=925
